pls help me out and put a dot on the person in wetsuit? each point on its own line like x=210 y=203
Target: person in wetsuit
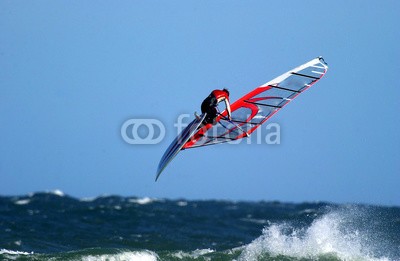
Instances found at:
x=209 y=105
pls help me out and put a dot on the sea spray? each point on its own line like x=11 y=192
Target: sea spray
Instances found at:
x=336 y=235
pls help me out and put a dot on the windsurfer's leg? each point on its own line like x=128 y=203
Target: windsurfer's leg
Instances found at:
x=213 y=115
x=205 y=108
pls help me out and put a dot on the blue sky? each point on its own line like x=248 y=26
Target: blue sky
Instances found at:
x=72 y=72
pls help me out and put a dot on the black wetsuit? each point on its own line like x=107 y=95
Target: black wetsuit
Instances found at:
x=209 y=106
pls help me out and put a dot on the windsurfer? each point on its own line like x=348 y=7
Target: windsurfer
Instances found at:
x=209 y=105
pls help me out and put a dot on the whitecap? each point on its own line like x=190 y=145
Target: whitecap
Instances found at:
x=194 y=254
x=142 y=201
x=56 y=192
x=22 y=202
x=328 y=235
x=12 y=252
x=124 y=256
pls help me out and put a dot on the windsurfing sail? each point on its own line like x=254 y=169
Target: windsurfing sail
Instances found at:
x=256 y=107
x=249 y=112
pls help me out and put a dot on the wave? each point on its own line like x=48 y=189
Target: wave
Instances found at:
x=55 y=192
x=142 y=228
x=23 y=200
x=83 y=255
x=123 y=255
x=14 y=253
x=142 y=201
x=127 y=255
x=331 y=236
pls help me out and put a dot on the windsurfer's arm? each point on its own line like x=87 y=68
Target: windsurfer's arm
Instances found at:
x=228 y=109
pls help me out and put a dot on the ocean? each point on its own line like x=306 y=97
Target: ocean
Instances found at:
x=55 y=226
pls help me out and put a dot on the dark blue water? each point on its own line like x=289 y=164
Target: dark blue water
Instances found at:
x=54 y=226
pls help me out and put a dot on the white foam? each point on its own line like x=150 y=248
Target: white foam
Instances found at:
x=22 y=202
x=11 y=252
x=325 y=236
x=182 y=203
x=194 y=254
x=142 y=201
x=91 y=199
x=124 y=256
x=57 y=192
